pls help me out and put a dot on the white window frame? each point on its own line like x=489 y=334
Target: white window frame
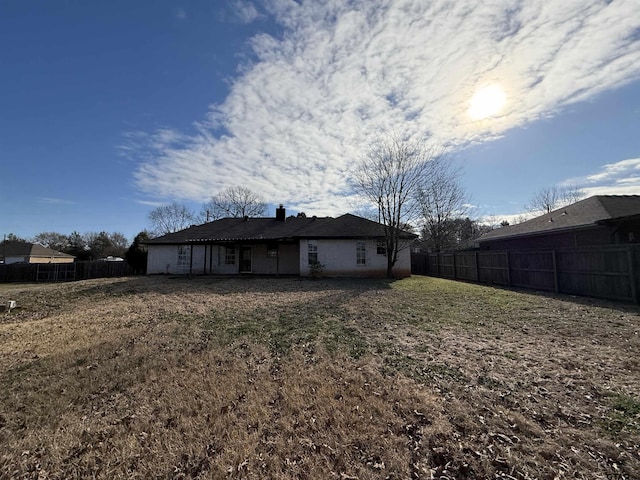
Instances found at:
x=184 y=255
x=361 y=253
x=229 y=255
x=312 y=252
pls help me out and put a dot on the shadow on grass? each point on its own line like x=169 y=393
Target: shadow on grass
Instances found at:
x=621 y=306
x=228 y=284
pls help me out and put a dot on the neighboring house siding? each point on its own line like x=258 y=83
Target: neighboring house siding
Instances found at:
x=629 y=232
x=339 y=258
x=550 y=241
x=34 y=259
x=9 y=260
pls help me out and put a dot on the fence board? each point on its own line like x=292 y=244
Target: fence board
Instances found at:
x=606 y=272
x=58 y=272
x=466 y=266
x=493 y=268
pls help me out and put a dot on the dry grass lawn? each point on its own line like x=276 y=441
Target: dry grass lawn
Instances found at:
x=260 y=378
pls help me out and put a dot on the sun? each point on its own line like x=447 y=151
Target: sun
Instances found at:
x=487 y=102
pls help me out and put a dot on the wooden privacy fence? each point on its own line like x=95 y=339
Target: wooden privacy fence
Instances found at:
x=59 y=272
x=606 y=272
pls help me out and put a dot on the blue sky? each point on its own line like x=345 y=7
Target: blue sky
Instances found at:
x=108 y=109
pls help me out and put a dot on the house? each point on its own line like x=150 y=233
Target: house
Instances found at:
x=594 y=221
x=345 y=246
x=24 y=252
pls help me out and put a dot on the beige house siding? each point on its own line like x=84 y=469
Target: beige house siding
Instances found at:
x=36 y=259
x=210 y=259
x=339 y=258
x=285 y=263
x=51 y=259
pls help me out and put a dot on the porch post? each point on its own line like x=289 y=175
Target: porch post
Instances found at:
x=204 y=263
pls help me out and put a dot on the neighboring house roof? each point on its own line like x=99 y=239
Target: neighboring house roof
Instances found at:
x=586 y=213
x=26 y=249
x=251 y=229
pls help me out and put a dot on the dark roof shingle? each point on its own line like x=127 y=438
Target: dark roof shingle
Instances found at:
x=238 y=229
x=585 y=213
x=26 y=249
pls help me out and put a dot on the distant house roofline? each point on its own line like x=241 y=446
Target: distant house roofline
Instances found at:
x=585 y=214
x=27 y=249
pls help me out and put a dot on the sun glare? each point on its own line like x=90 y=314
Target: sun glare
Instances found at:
x=487 y=102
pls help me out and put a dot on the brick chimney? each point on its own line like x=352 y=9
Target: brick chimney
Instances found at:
x=281 y=213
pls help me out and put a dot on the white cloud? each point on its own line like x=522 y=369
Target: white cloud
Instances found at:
x=181 y=14
x=150 y=203
x=243 y=11
x=615 y=171
x=620 y=178
x=56 y=201
x=296 y=121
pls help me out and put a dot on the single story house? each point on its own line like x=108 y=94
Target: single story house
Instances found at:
x=597 y=220
x=345 y=246
x=25 y=252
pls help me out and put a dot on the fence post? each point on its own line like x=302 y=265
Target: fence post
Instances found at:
x=477 y=268
x=556 y=287
x=455 y=274
x=632 y=274
x=508 y=269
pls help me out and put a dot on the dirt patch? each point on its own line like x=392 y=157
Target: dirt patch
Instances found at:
x=290 y=378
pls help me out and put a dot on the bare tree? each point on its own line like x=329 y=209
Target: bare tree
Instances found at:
x=441 y=199
x=390 y=176
x=170 y=218
x=549 y=198
x=103 y=244
x=235 y=202
x=459 y=233
x=12 y=237
x=53 y=240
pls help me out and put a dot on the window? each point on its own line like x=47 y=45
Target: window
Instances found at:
x=184 y=255
x=381 y=247
x=361 y=253
x=272 y=250
x=312 y=248
x=230 y=255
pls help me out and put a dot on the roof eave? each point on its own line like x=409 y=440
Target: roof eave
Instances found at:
x=540 y=233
